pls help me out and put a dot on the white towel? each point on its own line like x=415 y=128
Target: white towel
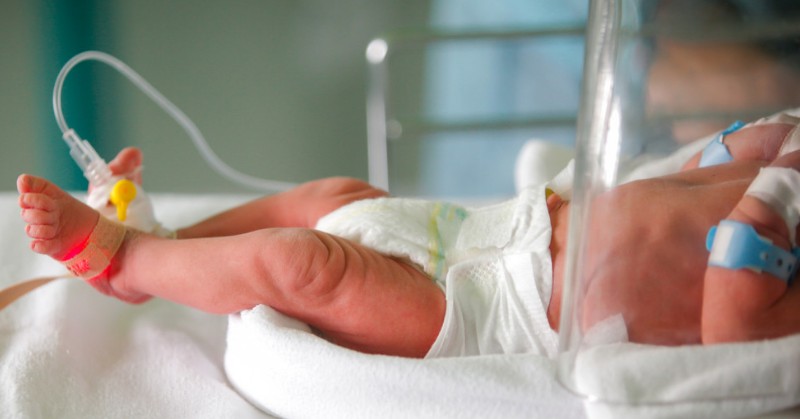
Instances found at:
x=284 y=369
x=66 y=351
x=727 y=380
x=280 y=366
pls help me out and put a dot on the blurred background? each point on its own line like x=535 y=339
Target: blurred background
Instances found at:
x=279 y=88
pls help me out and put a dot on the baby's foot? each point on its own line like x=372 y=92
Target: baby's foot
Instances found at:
x=57 y=223
x=128 y=164
x=60 y=227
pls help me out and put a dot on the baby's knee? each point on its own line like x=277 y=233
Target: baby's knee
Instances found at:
x=306 y=265
x=327 y=262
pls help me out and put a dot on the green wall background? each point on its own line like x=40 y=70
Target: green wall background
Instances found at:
x=278 y=87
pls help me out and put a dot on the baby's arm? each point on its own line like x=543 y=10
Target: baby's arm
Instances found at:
x=761 y=141
x=742 y=304
x=757 y=142
x=298 y=207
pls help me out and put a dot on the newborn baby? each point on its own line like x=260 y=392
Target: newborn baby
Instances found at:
x=417 y=278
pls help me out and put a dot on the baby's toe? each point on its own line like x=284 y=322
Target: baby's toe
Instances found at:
x=36 y=201
x=41 y=231
x=30 y=183
x=38 y=217
x=46 y=247
x=127 y=163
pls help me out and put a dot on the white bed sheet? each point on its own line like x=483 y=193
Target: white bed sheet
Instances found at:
x=66 y=351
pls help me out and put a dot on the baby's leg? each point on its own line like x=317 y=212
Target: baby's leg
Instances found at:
x=742 y=304
x=353 y=295
x=758 y=142
x=301 y=206
x=128 y=163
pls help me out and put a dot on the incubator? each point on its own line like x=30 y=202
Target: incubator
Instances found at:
x=661 y=77
x=658 y=75
x=449 y=109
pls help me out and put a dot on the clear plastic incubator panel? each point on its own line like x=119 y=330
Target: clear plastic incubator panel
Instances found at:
x=658 y=76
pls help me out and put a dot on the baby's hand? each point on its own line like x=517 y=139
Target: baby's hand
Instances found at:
x=742 y=304
x=647 y=257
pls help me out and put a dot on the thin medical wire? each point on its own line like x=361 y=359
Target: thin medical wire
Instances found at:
x=191 y=129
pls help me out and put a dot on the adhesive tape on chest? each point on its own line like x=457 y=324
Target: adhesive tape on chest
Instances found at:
x=778 y=187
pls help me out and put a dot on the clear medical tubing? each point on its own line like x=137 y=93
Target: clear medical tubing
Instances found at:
x=596 y=163
x=191 y=129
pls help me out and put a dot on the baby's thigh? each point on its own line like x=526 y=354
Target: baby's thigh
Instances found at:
x=367 y=301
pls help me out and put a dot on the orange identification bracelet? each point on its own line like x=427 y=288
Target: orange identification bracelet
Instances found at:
x=102 y=245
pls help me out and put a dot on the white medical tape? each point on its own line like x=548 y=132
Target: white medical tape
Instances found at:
x=141 y=215
x=776 y=187
x=785 y=117
x=792 y=140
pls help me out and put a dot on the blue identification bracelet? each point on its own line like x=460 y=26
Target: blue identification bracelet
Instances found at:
x=736 y=245
x=716 y=152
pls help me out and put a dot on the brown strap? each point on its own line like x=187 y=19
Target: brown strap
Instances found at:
x=102 y=245
x=14 y=292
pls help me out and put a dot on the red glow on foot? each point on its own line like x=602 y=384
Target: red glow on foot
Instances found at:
x=76 y=249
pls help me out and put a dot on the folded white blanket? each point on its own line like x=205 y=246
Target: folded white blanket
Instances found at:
x=66 y=351
x=266 y=351
x=283 y=368
x=730 y=380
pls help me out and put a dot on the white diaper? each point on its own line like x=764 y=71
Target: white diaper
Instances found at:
x=492 y=262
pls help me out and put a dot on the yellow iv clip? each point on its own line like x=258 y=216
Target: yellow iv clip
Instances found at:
x=122 y=194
